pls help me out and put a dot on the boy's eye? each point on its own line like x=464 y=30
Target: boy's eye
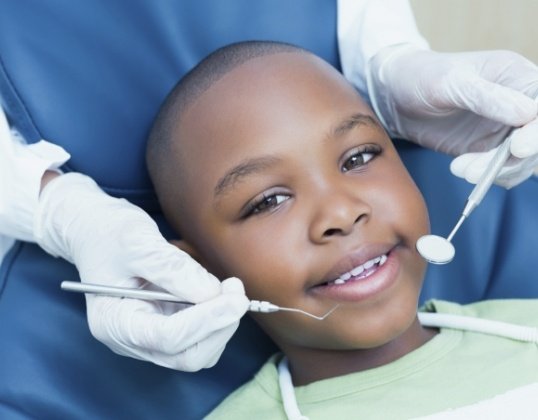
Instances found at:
x=360 y=157
x=265 y=203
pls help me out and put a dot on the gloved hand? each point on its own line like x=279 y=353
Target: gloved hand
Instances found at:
x=459 y=103
x=113 y=242
x=471 y=165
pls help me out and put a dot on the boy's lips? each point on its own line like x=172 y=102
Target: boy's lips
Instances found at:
x=361 y=274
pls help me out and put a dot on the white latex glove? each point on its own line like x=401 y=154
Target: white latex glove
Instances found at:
x=113 y=242
x=459 y=103
x=471 y=165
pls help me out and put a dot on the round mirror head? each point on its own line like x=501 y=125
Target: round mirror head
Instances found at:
x=435 y=249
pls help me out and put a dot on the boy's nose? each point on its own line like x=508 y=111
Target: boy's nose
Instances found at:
x=337 y=213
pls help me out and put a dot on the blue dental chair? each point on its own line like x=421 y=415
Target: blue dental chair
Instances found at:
x=90 y=76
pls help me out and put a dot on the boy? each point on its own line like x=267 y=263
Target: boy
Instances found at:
x=274 y=170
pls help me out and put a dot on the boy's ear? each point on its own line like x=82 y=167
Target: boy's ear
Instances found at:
x=186 y=247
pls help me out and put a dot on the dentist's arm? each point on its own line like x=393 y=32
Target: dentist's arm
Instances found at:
x=21 y=169
x=113 y=242
x=452 y=102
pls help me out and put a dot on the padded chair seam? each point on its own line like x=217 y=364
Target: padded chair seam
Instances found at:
x=7 y=264
x=15 y=408
x=19 y=99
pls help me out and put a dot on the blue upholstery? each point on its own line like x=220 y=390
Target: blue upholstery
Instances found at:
x=90 y=75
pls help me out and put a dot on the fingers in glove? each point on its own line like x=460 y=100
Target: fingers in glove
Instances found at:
x=491 y=100
x=206 y=353
x=525 y=140
x=233 y=285
x=175 y=271
x=175 y=333
x=512 y=176
x=136 y=324
x=121 y=338
x=471 y=166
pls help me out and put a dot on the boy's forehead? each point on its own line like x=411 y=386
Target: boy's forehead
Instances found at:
x=262 y=100
x=265 y=83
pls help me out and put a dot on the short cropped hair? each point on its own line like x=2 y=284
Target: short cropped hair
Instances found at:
x=163 y=148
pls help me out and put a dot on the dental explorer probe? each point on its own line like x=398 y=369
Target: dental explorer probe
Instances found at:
x=438 y=250
x=261 y=306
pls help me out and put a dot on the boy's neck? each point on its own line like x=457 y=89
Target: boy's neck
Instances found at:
x=310 y=365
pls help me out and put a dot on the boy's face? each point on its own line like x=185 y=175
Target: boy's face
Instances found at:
x=290 y=184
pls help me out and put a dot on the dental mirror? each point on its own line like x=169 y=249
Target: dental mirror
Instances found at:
x=435 y=249
x=438 y=250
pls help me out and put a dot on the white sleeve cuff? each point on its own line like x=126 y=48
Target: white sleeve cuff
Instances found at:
x=21 y=168
x=365 y=27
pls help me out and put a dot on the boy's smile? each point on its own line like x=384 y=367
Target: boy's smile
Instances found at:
x=361 y=274
x=293 y=186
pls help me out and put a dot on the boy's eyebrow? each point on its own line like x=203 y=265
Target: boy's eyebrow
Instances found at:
x=254 y=165
x=241 y=170
x=351 y=122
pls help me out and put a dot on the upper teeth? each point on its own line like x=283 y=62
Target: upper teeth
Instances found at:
x=359 y=269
